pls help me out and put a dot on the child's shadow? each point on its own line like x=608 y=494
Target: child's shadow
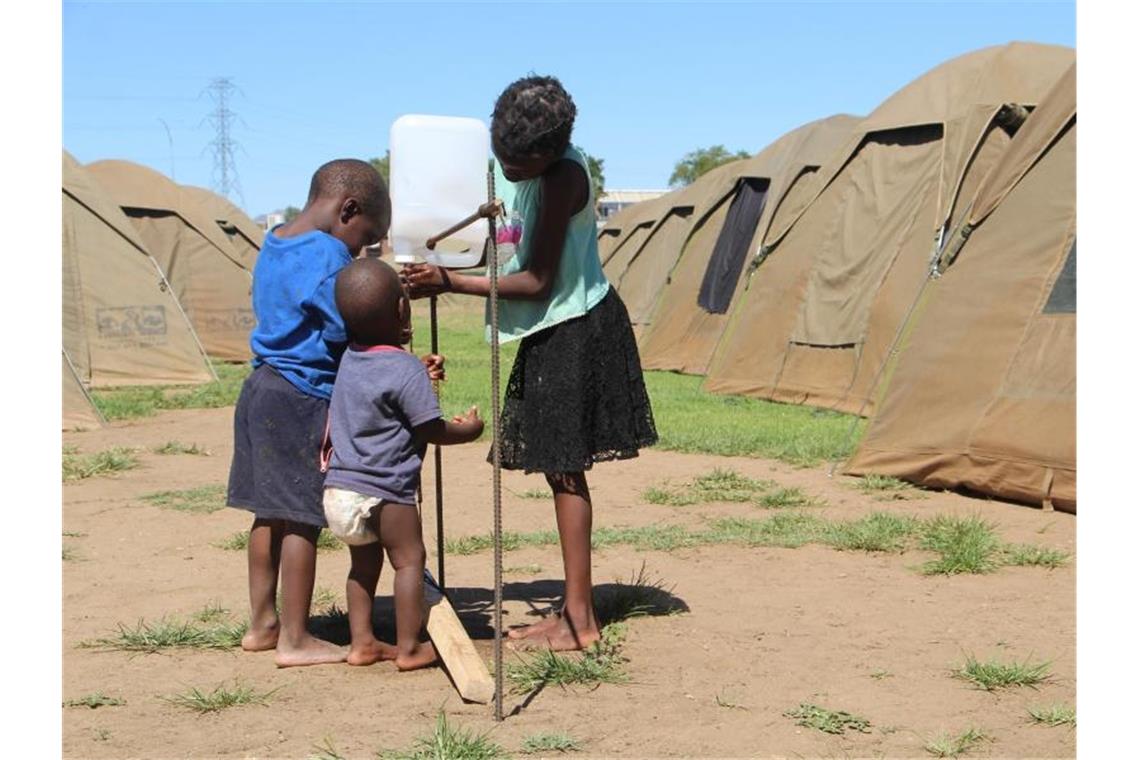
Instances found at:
x=613 y=602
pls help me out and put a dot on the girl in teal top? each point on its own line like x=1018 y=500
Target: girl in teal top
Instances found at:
x=576 y=394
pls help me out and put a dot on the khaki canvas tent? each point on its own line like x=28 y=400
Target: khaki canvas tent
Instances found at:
x=839 y=273
x=79 y=412
x=643 y=270
x=983 y=395
x=207 y=274
x=122 y=324
x=625 y=234
x=692 y=307
x=244 y=235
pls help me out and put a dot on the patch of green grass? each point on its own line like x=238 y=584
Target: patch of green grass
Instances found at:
x=79 y=467
x=1033 y=556
x=692 y=421
x=945 y=745
x=73 y=534
x=718 y=485
x=1054 y=715
x=523 y=569
x=69 y=554
x=98 y=699
x=880 y=674
x=640 y=597
x=239 y=542
x=648 y=537
x=658 y=495
x=783 y=498
x=147 y=637
x=235 y=542
x=221 y=698
x=601 y=662
x=886 y=488
x=177 y=447
x=324 y=597
x=131 y=402
x=447 y=742
x=992 y=674
x=876 y=532
x=326 y=750
x=966 y=545
x=211 y=613
x=549 y=742
x=512 y=541
x=785 y=529
x=203 y=499
x=828 y=721
x=534 y=493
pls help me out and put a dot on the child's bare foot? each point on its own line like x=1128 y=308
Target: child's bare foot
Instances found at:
x=370 y=652
x=542 y=627
x=420 y=657
x=260 y=639
x=562 y=636
x=309 y=651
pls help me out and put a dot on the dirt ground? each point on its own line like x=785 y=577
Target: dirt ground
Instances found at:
x=765 y=630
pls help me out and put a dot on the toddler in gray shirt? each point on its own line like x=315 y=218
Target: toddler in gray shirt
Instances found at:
x=382 y=415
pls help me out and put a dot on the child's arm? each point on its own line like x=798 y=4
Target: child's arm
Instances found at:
x=564 y=193
x=461 y=429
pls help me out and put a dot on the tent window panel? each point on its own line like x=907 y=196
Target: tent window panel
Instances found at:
x=1063 y=299
x=731 y=247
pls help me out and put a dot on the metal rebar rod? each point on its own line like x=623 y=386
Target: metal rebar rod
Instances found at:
x=441 y=578
x=496 y=461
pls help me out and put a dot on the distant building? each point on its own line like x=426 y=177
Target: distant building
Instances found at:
x=613 y=201
x=270 y=220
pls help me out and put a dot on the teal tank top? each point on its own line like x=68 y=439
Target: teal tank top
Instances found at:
x=579 y=283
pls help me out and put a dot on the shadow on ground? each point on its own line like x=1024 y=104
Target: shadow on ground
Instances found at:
x=475 y=607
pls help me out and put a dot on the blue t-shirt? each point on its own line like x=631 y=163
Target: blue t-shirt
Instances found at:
x=299 y=331
x=381 y=394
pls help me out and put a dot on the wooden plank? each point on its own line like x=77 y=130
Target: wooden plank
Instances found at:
x=467 y=670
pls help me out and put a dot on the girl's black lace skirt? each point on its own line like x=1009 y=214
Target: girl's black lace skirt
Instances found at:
x=576 y=395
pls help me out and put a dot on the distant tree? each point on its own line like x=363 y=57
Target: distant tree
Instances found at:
x=291 y=213
x=701 y=160
x=597 y=173
x=381 y=165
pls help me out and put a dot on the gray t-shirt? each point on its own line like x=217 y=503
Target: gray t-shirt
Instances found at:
x=381 y=393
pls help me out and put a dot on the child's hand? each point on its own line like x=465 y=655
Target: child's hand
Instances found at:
x=433 y=363
x=469 y=423
x=423 y=280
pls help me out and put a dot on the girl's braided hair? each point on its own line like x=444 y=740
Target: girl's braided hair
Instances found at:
x=533 y=117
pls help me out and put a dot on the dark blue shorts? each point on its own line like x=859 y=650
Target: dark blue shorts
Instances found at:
x=278 y=432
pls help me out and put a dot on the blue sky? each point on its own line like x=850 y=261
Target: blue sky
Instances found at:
x=652 y=81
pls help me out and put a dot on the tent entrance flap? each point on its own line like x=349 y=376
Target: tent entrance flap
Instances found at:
x=731 y=249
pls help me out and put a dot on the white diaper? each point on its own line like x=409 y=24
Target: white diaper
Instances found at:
x=347 y=513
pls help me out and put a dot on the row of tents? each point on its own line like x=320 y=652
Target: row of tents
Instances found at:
x=156 y=279
x=916 y=266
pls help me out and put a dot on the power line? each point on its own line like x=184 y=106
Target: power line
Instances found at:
x=225 y=177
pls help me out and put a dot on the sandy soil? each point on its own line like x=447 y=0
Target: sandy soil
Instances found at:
x=766 y=629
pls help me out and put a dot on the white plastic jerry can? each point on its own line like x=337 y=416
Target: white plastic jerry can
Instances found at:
x=438 y=176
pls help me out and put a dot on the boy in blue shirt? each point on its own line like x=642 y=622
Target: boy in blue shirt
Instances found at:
x=282 y=412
